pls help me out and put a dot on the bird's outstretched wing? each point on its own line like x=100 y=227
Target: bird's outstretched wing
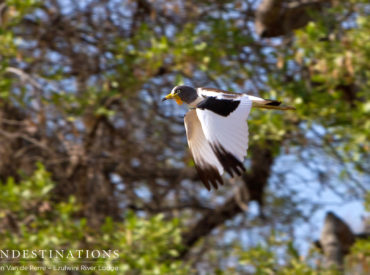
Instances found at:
x=206 y=162
x=226 y=131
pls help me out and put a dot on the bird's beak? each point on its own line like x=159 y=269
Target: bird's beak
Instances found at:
x=172 y=96
x=169 y=96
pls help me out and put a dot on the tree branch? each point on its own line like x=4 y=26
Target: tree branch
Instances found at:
x=255 y=182
x=276 y=17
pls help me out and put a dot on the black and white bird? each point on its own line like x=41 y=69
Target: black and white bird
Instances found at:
x=217 y=130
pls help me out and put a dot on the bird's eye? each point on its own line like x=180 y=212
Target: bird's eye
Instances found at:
x=178 y=91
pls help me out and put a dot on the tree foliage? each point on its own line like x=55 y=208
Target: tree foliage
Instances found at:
x=142 y=246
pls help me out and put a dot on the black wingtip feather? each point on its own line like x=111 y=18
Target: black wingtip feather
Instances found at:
x=209 y=176
x=230 y=163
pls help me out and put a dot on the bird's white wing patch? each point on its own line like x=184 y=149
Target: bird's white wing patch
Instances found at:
x=230 y=132
x=206 y=162
x=220 y=94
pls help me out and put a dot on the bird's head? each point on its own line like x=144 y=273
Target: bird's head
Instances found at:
x=182 y=94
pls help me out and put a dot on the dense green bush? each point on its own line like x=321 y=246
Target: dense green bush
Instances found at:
x=31 y=220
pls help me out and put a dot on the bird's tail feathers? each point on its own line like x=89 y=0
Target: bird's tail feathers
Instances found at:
x=270 y=104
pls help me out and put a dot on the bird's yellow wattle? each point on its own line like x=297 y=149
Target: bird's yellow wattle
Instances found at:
x=178 y=100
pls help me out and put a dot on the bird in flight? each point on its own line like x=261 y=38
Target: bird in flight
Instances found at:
x=217 y=130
